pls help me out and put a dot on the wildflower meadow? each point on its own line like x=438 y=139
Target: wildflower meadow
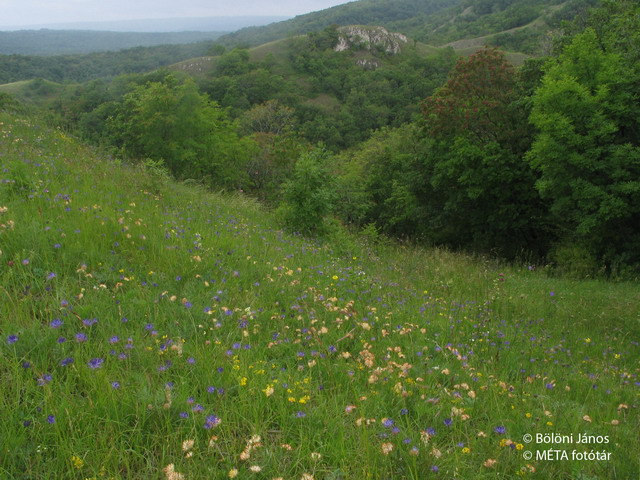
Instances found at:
x=152 y=330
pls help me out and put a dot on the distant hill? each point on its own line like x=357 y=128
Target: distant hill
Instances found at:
x=38 y=92
x=363 y=12
x=65 y=42
x=81 y=68
x=517 y=25
x=154 y=25
x=369 y=46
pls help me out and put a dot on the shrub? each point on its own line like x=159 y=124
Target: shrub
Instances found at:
x=308 y=197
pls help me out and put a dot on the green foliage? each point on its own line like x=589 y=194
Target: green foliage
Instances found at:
x=234 y=62
x=587 y=150
x=216 y=50
x=479 y=192
x=156 y=174
x=269 y=117
x=172 y=122
x=308 y=196
x=335 y=100
x=7 y=102
x=377 y=182
x=573 y=260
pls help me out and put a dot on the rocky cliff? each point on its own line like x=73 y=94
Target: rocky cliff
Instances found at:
x=369 y=38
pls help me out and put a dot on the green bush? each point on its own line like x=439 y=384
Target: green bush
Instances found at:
x=308 y=197
x=574 y=260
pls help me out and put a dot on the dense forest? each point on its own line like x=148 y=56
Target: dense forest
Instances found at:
x=539 y=162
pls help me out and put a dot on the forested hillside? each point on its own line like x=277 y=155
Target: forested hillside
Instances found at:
x=518 y=25
x=363 y=12
x=81 y=68
x=61 y=42
x=416 y=142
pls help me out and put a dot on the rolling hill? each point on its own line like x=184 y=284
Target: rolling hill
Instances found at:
x=365 y=12
x=518 y=25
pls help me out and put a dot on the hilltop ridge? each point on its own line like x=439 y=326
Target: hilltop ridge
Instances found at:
x=517 y=25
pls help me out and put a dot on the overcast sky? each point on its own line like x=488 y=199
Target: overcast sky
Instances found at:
x=38 y=12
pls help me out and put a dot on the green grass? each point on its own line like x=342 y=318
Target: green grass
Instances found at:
x=38 y=92
x=322 y=350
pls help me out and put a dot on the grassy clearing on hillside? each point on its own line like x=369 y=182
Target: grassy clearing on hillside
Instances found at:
x=38 y=92
x=150 y=329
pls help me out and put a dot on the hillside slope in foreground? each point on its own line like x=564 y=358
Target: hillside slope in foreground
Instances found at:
x=153 y=330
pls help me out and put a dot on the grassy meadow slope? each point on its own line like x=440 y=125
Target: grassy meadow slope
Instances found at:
x=39 y=92
x=148 y=326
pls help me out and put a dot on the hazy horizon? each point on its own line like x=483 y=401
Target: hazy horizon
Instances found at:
x=21 y=14
x=158 y=25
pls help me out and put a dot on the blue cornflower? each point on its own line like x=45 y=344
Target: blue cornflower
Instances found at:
x=12 y=339
x=56 y=323
x=500 y=430
x=95 y=362
x=66 y=361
